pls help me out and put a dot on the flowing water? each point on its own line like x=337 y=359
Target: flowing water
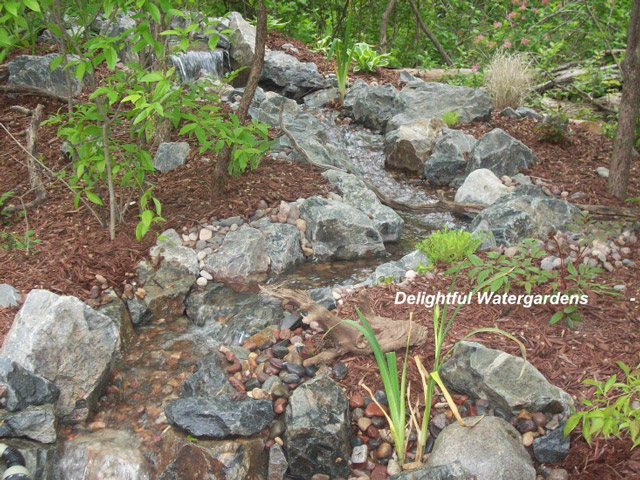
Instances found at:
x=193 y=65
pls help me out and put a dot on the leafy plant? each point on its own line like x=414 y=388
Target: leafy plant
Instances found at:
x=343 y=53
x=448 y=246
x=13 y=241
x=569 y=314
x=367 y=59
x=614 y=410
x=554 y=129
x=451 y=118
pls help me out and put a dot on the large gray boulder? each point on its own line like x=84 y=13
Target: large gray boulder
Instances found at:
x=321 y=98
x=170 y=155
x=71 y=345
x=24 y=388
x=482 y=372
x=482 y=187
x=355 y=193
x=243 y=41
x=104 y=454
x=318 y=430
x=231 y=316
x=220 y=416
x=241 y=258
x=166 y=291
x=373 y=106
x=169 y=245
x=34 y=71
x=491 y=450
x=283 y=245
x=501 y=153
x=284 y=70
x=420 y=99
x=525 y=213
x=409 y=146
x=448 y=160
x=339 y=231
x=35 y=423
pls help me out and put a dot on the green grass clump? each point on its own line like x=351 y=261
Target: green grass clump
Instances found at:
x=448 y=246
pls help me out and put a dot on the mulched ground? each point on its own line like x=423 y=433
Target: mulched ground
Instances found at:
x=610 y=332
x=572 y=166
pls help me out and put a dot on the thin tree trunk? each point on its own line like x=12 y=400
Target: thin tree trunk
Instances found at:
x=628 y=112
x=443 y=53
x=222 y=167
x=35 y=177
x=384 y=21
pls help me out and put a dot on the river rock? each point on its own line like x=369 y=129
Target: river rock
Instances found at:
x=448 y=160
x=321 y=98
x=501 y=153
x=209 y=379
x=408 y=146
x=524 y=213
x=373 y=106
x=482 y=372
x=209 y=460
x=283 y=245
x=24 y=388
x=284 y=70
x=167 y=289
x=140 y=313
x=232 y=316
x=354 y=192
x=220 y=416
x=491 y=450
x=278 y=464
x=35 y=423
x=243 y=41
x=169 y=245
x=36 y=71
x=420 y=99
x=553 y=447
x=339 y=231
x=241 y=258
x=52 y=336
x=9 y=296
x=482 y=187
x=103 y=454
x=170 y=155
x=452 y=471
x=323 y=296
x=318 y=430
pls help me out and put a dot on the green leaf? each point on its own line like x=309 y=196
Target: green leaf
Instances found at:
x=32 y=4
x=152 y=77
x=556 y=317
x=93 y=197
x=111 y=57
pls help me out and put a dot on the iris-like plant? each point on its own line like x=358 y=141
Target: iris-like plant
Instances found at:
x=343 y=54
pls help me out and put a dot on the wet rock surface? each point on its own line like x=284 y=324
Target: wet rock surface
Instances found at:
x=36 y=71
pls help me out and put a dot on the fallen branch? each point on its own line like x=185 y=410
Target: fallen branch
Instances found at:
x=392 y=334
x=40 y=92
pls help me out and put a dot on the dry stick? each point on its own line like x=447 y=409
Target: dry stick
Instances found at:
x=41 y=92
x=599 y=212
x=51 y=172
x=443 y=53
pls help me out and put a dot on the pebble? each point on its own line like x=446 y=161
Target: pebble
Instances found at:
x=393 y=468
x=357 y=414
x=233 y=227
x=294 y=368
x=381 y=397
x=373 y=410
x=205 y=274
x=379 y=472
x=360 y=454
x=277 y=429
x=202 y=282
x=356 y=401
x=558 y=474
x=320 y=476
x=340 y=371
x=619 y=288
x=384 y=450
x=364 y=423
x=540 y=419
x=527 y=439
x=279 y=405
x=205 y=234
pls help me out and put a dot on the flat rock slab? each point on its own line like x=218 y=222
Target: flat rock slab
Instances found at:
x=220 y=417
x=35 y=71
x=170 y=155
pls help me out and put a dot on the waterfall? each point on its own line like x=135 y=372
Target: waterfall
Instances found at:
x=192 y=65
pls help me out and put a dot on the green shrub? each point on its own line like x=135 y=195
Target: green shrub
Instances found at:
x=449 y=246
x=451 y=118
x=367 y=59
x=614 y=409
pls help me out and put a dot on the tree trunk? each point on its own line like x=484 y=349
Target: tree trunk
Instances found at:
x=628 y=113
x=443 y=53
x=384 y=21
x=224 y=158
x=35 y=177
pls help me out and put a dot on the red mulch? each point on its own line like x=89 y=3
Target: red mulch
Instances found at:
x=571 y=167
x=610 y=332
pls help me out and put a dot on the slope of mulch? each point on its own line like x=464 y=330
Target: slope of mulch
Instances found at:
x=572 y=166
x=73 y=247
x=610 y=332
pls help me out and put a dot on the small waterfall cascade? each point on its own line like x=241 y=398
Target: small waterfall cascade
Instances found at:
x=195 y=64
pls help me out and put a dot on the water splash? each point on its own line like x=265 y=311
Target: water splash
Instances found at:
x=193 y=65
